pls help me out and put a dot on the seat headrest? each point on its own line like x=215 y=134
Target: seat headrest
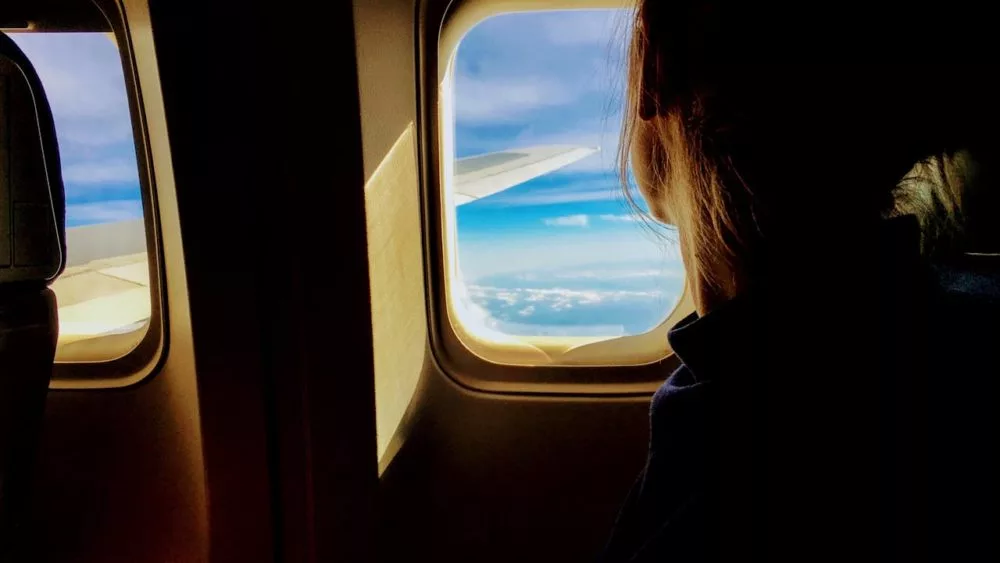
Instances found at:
x=32 y=199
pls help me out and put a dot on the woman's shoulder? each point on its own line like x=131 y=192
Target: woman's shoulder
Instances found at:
x=680 y=386
x=680 y=404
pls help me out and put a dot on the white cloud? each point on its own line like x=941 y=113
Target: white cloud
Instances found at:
x=527 y=311
x=568 y=221
x=107 y=172
x=621 y=218
x=505 y=98
x=508 y=297
x=600 y=28
x=562 y=305
x=555 y=75
x=103 y=212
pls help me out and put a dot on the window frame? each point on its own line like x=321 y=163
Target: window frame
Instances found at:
x=441 y=27
x=145 y=358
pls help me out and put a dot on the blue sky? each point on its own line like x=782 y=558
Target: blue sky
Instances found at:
x=82 y=77
x=561 y=254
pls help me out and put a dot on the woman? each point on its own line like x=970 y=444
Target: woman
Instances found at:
x=814 y=416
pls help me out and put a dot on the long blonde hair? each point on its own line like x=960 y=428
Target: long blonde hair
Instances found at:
x=712 y=234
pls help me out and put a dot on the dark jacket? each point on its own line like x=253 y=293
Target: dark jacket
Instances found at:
x=846 y=416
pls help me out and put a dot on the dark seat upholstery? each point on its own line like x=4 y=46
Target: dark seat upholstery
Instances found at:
x=32 y=250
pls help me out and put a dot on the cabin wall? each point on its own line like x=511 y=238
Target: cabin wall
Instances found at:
x=385 y=40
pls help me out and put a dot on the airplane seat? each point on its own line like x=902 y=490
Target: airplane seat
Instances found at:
x=32 y=251
x=955 y=199
x=969 y=265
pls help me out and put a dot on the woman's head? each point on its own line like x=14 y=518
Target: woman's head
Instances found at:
x=760 y=133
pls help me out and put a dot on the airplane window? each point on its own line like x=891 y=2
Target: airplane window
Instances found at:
x=104 y=294
x=546 y=244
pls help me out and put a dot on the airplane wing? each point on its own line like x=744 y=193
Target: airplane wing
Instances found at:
x=104 y=299
x=103 y=293
x=483 y=175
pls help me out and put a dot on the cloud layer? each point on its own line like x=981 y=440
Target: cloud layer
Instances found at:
x=558 y=298
x=623 y=298
x=565 y=311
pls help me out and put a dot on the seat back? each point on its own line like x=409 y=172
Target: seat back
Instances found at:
x=32 y=251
